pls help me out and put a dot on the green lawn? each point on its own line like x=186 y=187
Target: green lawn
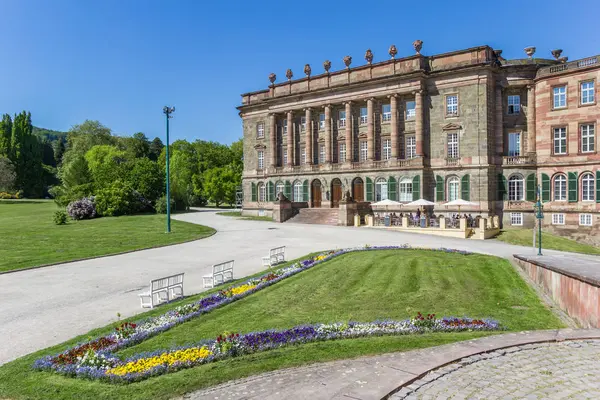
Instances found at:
x=524 y=237
x=357 y=286
x=30 y=238
x=239 y=215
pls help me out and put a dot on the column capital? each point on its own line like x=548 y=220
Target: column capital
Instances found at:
x=394 y=95
x=307 y=109
x=418 y=91
x=347 y=103
x=531 y=86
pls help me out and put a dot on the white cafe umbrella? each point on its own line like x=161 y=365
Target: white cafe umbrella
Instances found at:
x=420 y=203
x=387 y=202
x=461 y=203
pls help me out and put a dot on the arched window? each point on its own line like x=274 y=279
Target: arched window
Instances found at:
x=279 y=188
x=587 y=187
x=560 y=188
x=381 y=189
x=405 y=189
x=297 y=191
x=262 y=192
x=515 y=188
x=453 y=189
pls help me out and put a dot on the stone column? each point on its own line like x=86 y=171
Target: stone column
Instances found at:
x=290 y=138
x=531 y=134
x=370 y=135
x=348 y=134
x=499 y=121
x=273 y=140
x=419 y=122
x=394 y=123
x=328 y=134
x=309 y=142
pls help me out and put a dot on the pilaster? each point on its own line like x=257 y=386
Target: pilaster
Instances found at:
x=394 y=125
x=290 y=138
x=419 y=122
x=370 y=135
x=531 y=134
x=309 y=137
x=327 y=134
x=348 y=134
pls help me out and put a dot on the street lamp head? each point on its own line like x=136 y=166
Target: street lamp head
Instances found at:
x=168 y=110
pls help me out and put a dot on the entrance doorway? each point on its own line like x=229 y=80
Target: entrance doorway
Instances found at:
x=336 y=193
x=358 y=190
x=316 y=193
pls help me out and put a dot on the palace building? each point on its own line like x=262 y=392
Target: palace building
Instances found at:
x=467 y=124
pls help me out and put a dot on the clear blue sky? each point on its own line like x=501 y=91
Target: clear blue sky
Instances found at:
x=120 y=62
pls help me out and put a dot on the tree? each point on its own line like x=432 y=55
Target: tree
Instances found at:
x=58 y=147
x=212 y=155
x=75 y=173
x=146 y=177
x=137 y=146
x=47 y=152
x=155 y=148
x=5 y=136
x=82 y=138
x=26 y=156
x=220 y=184
x=7 y=175
x=106 y=164
x=182 y=169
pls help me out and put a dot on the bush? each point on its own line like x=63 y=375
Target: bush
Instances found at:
x=60 y=218
x=120 y=199
x=62 y=196
x=82 y=209
x=161 y=205
x=11 y=195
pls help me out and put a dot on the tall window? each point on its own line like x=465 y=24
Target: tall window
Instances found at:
x=560 y=96
x=587 y=187
x=302 y=155
x=514 y=144
x=452 y=105
x=411 y=147
x=302 y=124
x=321 y=121
x=364 y=151
x=363 y=115
x=405 y=186
x=453 y=145
x=386 y=111
x=514 y=104
x=285 y=160
x=387 y=149
x=298 y=191
x=260 y=130
x=515 y=188
x=279 y=188
x=381 y=189
x=560 y=140
x=587 y=138
x=262 y=192
x=410 y=110
x=453 y=189
x=342 y=147
x=560 y=188
x=321 y=154
x=261 y=159
x=587 y=92
x=285 y=127
x=342 y=119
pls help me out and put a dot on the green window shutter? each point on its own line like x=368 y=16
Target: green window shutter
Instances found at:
x=545 y=188
x=288 y=190
x=416 y=188
x=502 y=193
x=305 y=190
x=598 y=186
x=392 y=188
x=439 y=188
x=369 y=189
x=271 y=191
x=465 y=187
x=254 y=196
x=573 y=187
x=531 y=184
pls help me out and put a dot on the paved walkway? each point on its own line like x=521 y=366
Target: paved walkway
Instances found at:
x=46 y=306
x=502 y=366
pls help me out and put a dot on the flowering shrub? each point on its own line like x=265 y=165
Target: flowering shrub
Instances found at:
x=82 y=209
x=424 y=322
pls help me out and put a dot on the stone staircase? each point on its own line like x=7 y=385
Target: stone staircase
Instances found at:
x=322 y=216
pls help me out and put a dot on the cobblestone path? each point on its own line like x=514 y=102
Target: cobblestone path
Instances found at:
x=563 y=370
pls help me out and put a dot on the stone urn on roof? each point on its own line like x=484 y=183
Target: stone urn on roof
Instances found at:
x=369 y=56
x=530 y=51
x=327 y=66
x=418 y=45
x=347 y=61
x=289 y=74
x=272 y=78
x=393 y=51
x=307 y=70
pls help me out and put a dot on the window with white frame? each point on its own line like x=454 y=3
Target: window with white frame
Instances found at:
x=298 y=191
x=260 y=130
x=585 y=219
x=560 y=188
x=321 y=121
x=342 y=152
x=559 y=95
x=516 y=219
x=285 y=158
x=302 y=124
x=514 y=104
x=261 y=159
x=363 y=115
x=302 y=155
x=386 y=112
x=405 y=189
x=342 y=119
x=558 y=219
x=321 y=154
x=514 y=144
x=364 y=151
x=387 y=149
x=453 y=189
x=587 y=187
x=285 y=127
x=515 y=188
x=262 y=192
x=451 y=105
x=587 y=92
x=453 y=145
x=411 y=110
x=279 y=188
x=381 y=189
x=560 y=140
x=411 y=146
x=587 y=138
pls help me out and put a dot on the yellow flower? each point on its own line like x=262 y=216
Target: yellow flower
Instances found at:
x=144 y=364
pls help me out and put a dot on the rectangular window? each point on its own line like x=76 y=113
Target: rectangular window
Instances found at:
x=262 y=192
x=386 y=111
x=452 y=105
x=363 y=115
x=260 y=130
x=560 y=140
x=302 y=124
x=514 y=104
x=585 y=219
x=558 y=219
x=411 y=147
x=387 y=149
x=406 y=190
x=514 y=144
x=516 y=219
x=342 y=119
x=411 y=110
x=285 y=160
x=560 y=96
x=321 y=154
x=587 y=92
x=321 y=121
x=453 y=145
x=364 y=151
x=587 y=138
x=261 y=159
x=302 y=155
x=285 y=126
x=342 y=153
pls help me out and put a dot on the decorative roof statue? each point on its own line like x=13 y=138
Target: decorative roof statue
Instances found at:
x=347 y=61
x=327 y=65
x=418 y=45
x=530 y=51
x=307 y=70
x=289 y=74
x=563 y=59
x=393 y=51
x=369 y=56
x=556 y=53
x=272 y=77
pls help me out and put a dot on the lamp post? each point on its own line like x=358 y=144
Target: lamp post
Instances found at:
x=538 y=208
x=168 y=110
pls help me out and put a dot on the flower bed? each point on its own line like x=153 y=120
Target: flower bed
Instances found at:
x=94 y=358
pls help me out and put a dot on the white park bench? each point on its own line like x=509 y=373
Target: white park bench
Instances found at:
x=222 y=273
x=162 y=290
x=276 y=256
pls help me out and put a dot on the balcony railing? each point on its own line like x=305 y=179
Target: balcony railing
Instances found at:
x=555 y=69
x=452 y=162
x=518 y=160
